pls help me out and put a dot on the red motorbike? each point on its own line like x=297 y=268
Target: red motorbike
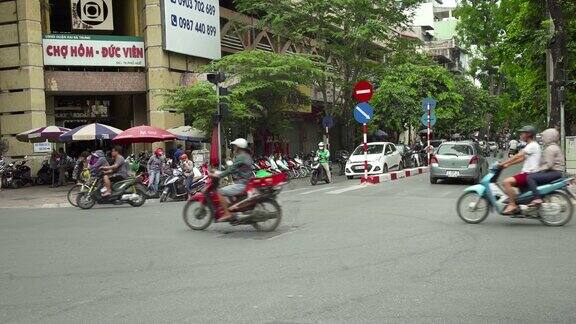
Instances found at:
x=256 y=207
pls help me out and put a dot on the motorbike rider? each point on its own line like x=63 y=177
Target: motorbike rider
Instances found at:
x=551 y=166
x=323 y=156
x=115 y=172
x=97 y=160
x=530 y=155
x=154 y=166
x=241 y=171
x=190 y=171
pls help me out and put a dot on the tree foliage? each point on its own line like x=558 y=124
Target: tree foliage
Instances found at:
x=264 y=88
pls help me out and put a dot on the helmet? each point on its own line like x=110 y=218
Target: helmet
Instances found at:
x=184 y=156
x=159 y=151
x=321 y=144
x=240 y=142
x=528 y=129
x=550 y=136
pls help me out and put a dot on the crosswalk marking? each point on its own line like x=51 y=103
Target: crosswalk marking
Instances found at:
x=312 y=191
x=339 y=191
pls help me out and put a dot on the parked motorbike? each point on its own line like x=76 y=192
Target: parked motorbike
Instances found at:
x=342 y=157
x=124 y=191
x=476 y=202
x=16 y=175
x=410 y=158
x=174 y=187
x=44 y=175
x=256 y=207
x=318 y=173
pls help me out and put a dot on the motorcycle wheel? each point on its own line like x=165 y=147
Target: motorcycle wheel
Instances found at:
x=472 y=208
x=341 y=171
x=401 y=166
x=40 y=181
x=85 y=201
x=197 y=216
x=73 y=194
x=271 y=206
x=164 y=195
x=140 y=201
x=566 y=209
x=314 y=178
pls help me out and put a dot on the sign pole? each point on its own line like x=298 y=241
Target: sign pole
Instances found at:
x=428 y=146
x=219 y=127
x=365 y=139
x=327 y=138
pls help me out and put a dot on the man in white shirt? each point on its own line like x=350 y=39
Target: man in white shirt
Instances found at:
x=530 y=155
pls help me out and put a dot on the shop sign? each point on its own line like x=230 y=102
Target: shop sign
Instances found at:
x=192 y=27
x=92 y=14
x=43 y=147
x=93 y=50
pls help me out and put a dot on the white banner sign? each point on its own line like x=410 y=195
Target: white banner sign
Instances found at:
x=43 y=147
x=192 y=27
x=93 y=50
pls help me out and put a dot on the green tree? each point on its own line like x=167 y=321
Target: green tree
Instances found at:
x=264 y=88
x=351 y=38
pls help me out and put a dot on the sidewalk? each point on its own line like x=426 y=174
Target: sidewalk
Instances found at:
x=35 y=197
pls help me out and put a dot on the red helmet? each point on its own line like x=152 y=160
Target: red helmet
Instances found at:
x=159 y=151
x=184 y=157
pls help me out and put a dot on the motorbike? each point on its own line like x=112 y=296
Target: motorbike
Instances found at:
x=44 y=175
x=342 y=157
x=257 y=206
x=410 y=158
x=175 y=186
x=124 y=191
x=477 y=201
x=318 y=173
x=16 y=175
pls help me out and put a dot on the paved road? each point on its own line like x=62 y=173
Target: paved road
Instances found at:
x=395 y=252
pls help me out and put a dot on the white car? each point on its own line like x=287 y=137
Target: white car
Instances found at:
x=382 y=157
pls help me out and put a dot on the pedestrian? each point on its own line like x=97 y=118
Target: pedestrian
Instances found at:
x=54 y=162
x=155 y=165
x=62 y=165
x=176 y=158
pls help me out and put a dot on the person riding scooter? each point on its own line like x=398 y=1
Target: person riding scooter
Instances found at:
x=323 y=156
x=241 y=171
x=192 y=173
x=530 y=155
x=115 y=172
x=551 y=166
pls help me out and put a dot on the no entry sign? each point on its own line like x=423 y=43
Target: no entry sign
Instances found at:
x=363 y=91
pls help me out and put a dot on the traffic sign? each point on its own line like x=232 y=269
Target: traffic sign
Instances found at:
x=363 y=113
x=327 y=122
x=363 y=91
x=424 y=119
x=428 y=102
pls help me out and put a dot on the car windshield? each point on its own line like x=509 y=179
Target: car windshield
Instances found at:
x=455 y=149
x=372 y=149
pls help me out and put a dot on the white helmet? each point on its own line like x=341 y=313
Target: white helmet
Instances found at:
x=240 y=142
x=321 y=144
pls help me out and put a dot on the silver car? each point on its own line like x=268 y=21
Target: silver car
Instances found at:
x=458 y=160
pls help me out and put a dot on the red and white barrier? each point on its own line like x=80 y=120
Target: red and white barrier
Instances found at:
x=395 y=175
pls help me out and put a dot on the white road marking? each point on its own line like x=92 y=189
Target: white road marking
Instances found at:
x=321 y=189
x=339 y=191
x=363 y=113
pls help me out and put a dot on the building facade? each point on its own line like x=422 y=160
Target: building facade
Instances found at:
x=73 y=62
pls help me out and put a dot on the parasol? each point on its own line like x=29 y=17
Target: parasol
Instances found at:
x=143 y=134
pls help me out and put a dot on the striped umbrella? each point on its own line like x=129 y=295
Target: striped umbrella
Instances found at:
x=90 y=132
x=42 y=134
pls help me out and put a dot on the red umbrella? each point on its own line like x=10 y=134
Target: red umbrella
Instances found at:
x=143 y=134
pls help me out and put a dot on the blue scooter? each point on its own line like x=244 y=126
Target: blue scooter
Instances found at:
x=477 y=201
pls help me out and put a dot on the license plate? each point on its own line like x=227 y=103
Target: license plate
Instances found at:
x=452 y=174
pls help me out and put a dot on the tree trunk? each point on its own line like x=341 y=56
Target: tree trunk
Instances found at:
x=558 y=50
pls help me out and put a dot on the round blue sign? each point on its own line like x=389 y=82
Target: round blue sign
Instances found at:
x=363 y=113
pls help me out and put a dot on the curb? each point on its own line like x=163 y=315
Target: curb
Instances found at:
x=391 y=176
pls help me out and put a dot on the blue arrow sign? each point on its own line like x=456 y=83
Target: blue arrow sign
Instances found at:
x=363 y=113
x=327 y=121
x=428 y=102
x=424 y=119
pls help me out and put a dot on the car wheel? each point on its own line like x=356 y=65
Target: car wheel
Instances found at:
x=433 y=180
x=350 y=177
